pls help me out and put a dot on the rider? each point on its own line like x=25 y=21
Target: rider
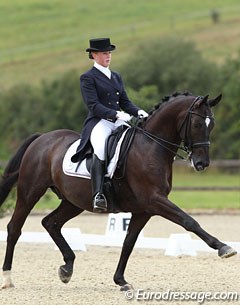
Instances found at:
x=104 y=94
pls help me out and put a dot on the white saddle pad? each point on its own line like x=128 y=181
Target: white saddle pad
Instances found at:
x=69 y=168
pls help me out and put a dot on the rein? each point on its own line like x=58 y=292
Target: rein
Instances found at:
x=187 y=144
x=162 y=143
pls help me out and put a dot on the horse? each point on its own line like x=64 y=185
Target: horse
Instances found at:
x=181 y=121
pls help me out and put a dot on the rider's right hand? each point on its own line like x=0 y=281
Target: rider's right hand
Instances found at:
x=123 y=116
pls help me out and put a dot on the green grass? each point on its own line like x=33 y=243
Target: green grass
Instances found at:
x=208 y=178
x=218 y=200
x=41 y=39
x=212 y=200
x=188 y=200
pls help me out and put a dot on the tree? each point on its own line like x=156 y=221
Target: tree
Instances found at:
x=28 y=109
x=63 y=102
x=171 y=65
x=21 y=109
x=226 y=135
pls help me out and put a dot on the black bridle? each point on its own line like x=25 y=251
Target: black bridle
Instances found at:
x=188 y=144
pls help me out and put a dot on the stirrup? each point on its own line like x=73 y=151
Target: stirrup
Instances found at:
x=99 y=203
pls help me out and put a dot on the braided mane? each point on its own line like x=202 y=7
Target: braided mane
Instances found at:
x=164 y=100
x=168 y=98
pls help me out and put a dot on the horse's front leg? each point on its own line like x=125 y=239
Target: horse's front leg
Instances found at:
x=136 y=224
x=162 y=206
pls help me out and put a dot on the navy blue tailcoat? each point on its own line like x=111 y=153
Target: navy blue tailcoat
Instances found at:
x=103 y=97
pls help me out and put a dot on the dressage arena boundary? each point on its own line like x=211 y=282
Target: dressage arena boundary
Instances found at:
x=117 y=224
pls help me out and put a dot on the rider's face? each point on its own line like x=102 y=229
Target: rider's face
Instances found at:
x=102 y=58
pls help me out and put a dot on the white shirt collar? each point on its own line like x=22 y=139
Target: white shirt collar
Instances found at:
x=104 y=70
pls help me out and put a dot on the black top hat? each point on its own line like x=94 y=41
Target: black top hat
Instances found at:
x=100 y=45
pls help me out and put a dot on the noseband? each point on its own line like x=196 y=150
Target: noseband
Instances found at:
x=188 y=144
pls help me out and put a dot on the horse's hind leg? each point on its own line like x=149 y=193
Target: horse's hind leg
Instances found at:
x=53 y=224
x=25 y=202
x=14 y=231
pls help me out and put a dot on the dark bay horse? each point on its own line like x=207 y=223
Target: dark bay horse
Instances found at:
x=143 y=190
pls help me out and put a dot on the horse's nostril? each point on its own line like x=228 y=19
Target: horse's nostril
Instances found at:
x=200 y=167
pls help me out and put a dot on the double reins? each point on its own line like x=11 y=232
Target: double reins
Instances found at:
x=162 y=142
x=188 y=145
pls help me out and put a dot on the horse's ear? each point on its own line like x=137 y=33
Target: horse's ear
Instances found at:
x=215 y=101
x=201 y=101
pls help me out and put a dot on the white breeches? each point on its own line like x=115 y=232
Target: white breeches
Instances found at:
x=100 y=133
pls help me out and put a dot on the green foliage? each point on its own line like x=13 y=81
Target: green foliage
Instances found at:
x=42 y=39
x=27 y=109
x=10 y=201
x=226 y=135
x=18 y=108
x=145 y=97
x=178 y=66
x=9 y=204
x=63 y=102
x=170 y=65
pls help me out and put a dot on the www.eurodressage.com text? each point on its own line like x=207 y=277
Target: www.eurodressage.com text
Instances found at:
x=199 y=296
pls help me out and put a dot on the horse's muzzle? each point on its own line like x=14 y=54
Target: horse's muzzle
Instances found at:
x=199 y=163
x=200 y=167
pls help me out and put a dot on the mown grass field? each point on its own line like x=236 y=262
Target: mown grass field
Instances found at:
x=41 y=39
x=206 y=199
x=211 y=200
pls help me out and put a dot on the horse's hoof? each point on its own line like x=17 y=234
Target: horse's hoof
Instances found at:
x=64 y=274
x=126 y=287
x=6 y=286
x=226 y=251
x=7 y=281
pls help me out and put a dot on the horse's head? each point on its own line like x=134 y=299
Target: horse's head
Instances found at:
x=185 y=118
x=196 y=126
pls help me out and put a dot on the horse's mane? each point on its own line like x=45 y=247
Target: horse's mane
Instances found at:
x=167 y=98
x=164 y=100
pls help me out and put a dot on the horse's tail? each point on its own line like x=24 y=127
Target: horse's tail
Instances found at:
x=10 y=175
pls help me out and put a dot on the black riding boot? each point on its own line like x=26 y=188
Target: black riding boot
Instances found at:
x=97 y=176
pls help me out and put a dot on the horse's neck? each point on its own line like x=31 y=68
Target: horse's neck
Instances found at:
x=163 y=124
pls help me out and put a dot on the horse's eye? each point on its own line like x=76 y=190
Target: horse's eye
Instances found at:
x=197 y=125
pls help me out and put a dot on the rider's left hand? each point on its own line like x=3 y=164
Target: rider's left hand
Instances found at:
x=142 y=114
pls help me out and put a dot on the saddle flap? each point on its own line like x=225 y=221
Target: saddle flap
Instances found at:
x=112 y=142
